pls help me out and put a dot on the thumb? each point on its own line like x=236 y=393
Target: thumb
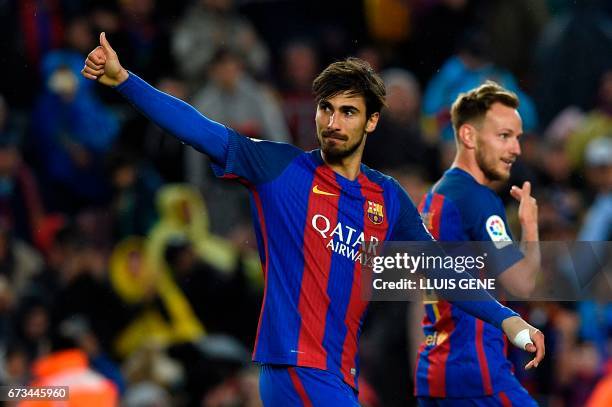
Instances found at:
x=105 y=44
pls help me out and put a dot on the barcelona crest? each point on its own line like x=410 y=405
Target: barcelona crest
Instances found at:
x=375 y=212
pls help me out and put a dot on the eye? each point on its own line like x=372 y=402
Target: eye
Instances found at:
x=504 y=136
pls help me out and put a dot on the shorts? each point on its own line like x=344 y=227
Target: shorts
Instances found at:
x=514 y=397
x=292 y=386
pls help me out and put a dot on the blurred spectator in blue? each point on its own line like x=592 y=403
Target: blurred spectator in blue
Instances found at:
x=596 y=326
x=300 y=67
x=470 y=67
x=398 y=139
x=572 y=53
x=135 y=185
x=592 y=258
x=598 y=170
x=71 y=129
x=21 y=206
x=208 y=25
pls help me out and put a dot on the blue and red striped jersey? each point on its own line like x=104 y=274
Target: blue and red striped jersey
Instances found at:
x=311 y=224
x=463 y=356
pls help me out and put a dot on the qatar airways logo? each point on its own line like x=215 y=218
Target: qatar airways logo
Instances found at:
x=345 y=240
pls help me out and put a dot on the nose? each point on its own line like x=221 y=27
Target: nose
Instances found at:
x=331 y=124
x=516 y=147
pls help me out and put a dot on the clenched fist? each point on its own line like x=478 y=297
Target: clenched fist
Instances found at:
x=102 y=64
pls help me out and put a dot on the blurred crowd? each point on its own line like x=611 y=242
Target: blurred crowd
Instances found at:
x=125 y=263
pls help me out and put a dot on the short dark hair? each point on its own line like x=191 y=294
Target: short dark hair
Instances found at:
x=473 y=105
x=353 y=76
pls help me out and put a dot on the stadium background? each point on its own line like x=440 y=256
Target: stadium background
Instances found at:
x=116 y=238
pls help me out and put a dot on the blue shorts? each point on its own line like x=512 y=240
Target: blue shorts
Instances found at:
x=511 y=398
x=292 y=386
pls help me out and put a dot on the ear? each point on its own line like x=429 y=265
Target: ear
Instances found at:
x=372 y=122
x=467 y=136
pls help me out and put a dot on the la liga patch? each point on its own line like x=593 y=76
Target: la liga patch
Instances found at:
x=496 y=230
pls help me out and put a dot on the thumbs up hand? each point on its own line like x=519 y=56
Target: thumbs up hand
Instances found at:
x=102 y=64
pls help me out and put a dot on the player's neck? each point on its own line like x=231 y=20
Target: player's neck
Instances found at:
x=472 y=168
x=348 y=167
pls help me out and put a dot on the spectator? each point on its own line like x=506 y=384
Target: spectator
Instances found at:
x=208 y=25
x=210 y=290
x=571 y=55
x=233 y=97
x=21 y=206
x=300 y=66
x=70 y=137
x=398 y=139
x=66 y=365
x=19 y=263
x=596 y=123
x=468 y=68
x=135 y=184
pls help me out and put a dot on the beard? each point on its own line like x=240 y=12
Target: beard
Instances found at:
x=488 y=165
x=333 y=150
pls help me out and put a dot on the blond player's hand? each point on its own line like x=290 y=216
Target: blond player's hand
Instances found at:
x=528 y=206
x=526 y=337
x=102 y=64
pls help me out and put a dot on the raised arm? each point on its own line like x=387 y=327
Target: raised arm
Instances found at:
x=480 y=304
x=173 y=115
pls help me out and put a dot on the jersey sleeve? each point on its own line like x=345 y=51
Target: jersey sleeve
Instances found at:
x=232 y=155
x=177 y=118
x=490 y=227
x=253 y=160
x=409 y=225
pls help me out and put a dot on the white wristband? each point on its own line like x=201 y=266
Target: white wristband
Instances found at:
x=522 y=339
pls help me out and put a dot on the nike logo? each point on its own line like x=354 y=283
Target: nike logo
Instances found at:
x=316 y=190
